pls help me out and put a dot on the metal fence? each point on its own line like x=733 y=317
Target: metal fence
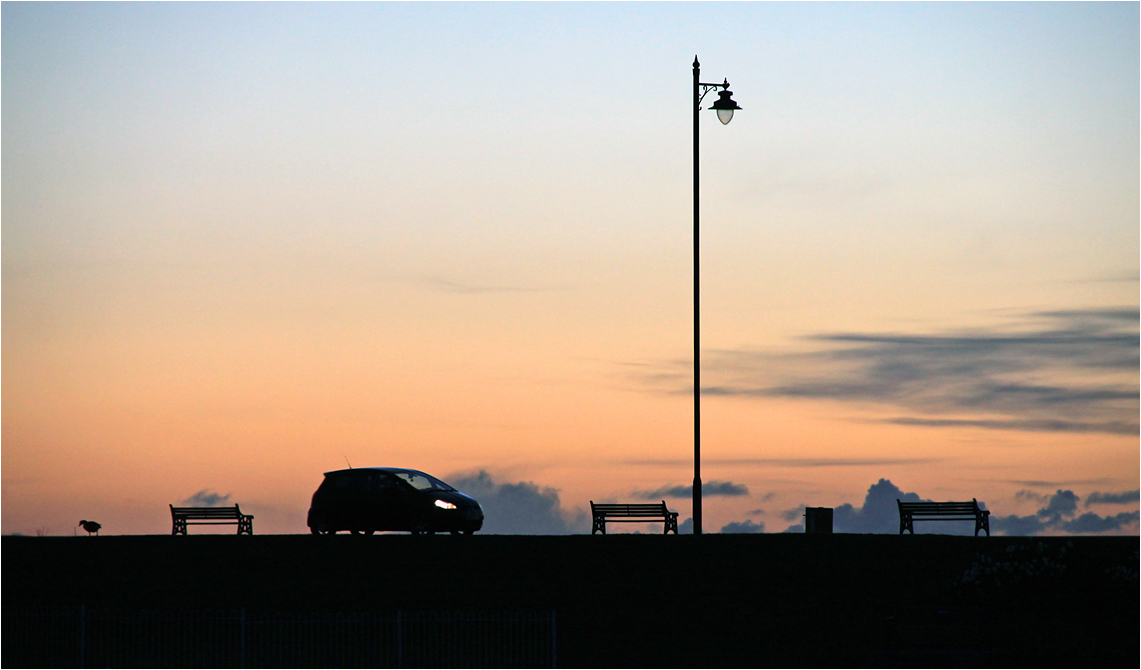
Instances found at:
x=82 y=637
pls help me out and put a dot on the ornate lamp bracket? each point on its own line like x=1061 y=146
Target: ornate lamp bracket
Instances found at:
x=706 y=88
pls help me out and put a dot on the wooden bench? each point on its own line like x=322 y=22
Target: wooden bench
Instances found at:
x=942 y=511
x=210 y=516
x=631 y=513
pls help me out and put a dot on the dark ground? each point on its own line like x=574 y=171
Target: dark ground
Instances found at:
x=769 y=600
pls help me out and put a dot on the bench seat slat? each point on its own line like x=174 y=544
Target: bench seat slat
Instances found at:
x=630 y=518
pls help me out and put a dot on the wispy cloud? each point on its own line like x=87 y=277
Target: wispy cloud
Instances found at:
x=1061 y=371
x=1047 y=425
x=1026 y=494
x=1113 y=278
x=451 y=286
x=787 y=462
x=1099 y=498
x=1047 y=483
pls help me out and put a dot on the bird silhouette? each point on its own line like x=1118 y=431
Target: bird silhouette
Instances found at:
x=90 y=526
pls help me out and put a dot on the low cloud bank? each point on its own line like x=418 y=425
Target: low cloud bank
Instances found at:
x=526 y=508
x=792 y=514
x=520 y=508
x=746 y=526
x=1060 y=513
x=743 y=527
x=708 y=489
x=880 y=514
x=207 y=498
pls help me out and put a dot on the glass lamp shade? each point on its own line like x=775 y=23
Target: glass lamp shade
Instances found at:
x=725 y=106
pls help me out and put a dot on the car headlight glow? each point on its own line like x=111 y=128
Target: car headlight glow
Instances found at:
x=444 y=504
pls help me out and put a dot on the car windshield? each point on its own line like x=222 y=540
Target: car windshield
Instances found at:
x=421 y=481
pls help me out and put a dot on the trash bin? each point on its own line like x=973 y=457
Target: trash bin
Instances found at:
x=818 y=520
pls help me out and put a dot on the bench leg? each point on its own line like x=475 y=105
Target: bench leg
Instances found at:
x=982 y=523
x=179 y=527
x=599 y=526
x=671 y=524
x=906 y=524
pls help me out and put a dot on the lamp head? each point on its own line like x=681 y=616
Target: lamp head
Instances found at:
x=725 y=105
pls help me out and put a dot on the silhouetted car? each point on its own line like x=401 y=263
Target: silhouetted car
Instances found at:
x=365 y=500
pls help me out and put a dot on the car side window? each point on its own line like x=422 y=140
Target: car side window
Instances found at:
x=373 y=482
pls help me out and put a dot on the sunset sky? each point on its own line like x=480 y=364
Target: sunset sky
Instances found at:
x=246 y=244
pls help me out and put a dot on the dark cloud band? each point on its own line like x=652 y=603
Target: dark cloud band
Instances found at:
x=970 y=379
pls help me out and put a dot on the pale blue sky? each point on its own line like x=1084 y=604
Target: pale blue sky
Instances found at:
x=442 y=214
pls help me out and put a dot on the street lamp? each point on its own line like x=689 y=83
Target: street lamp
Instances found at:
x=725 y=106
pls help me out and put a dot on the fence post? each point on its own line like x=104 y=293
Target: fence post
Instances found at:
x=399 y=641
x=82 y=634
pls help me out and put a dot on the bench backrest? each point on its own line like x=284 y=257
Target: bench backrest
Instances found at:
x=629 y=510
x=938 y=508
x=206 y=512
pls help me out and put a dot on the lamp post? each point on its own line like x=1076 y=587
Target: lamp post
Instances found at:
x=724 y=106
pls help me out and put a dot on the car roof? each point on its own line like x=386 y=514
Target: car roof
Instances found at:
x=338 y=472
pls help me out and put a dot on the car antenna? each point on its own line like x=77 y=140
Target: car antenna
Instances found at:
x=347 y=461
